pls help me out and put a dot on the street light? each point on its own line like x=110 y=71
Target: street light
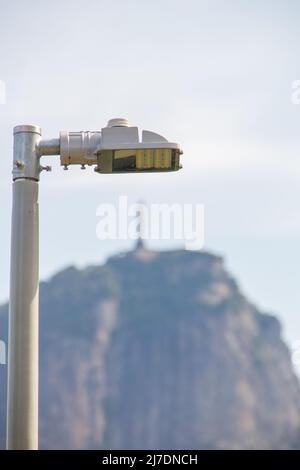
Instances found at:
x=114 y=149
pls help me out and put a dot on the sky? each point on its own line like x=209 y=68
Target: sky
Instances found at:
x=215 y=75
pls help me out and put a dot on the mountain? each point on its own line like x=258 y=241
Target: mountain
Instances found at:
x=159 y=350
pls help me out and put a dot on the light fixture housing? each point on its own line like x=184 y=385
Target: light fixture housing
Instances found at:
x=118 y=149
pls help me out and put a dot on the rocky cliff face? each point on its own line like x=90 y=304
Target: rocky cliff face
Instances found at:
x=160 y=350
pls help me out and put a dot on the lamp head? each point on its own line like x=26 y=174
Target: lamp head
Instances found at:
x=117 y=148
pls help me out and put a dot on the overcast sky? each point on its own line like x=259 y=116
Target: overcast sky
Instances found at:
x=215 y=76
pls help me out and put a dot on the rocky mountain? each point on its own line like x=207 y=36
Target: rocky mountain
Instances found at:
x=162 y=351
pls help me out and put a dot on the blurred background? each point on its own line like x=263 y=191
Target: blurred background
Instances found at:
x=215 y=76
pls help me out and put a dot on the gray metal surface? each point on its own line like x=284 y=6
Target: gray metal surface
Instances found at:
x=22 y=419
x=26 y=162
x=48 y=147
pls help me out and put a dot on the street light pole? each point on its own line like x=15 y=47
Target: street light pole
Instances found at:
x=116 y=149
x=22 y=416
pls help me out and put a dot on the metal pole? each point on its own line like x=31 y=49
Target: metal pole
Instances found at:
x=22 y=409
